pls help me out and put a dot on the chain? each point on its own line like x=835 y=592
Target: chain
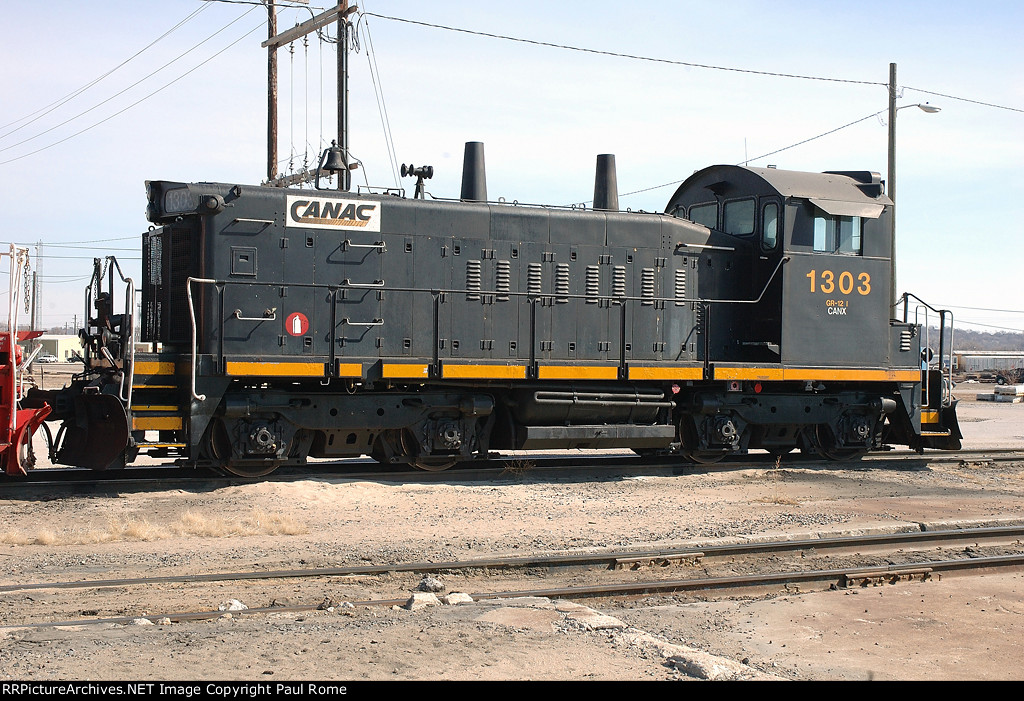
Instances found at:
x=27 y=272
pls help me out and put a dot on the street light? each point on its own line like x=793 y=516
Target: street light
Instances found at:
x=891 y=181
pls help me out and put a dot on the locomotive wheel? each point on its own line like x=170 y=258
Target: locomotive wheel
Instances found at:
x=825 y=442
x=218 y=451
x=398 y=447
x=435 y=463
x=248 y=468
x=429 y=463
x=690 y=441
x=704 y=457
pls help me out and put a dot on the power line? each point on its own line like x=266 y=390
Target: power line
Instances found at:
x=121 y=92
x=964 y=99
x=681 y=63
x=984 y=309
x=801 y=143
x=88 y=247
x=770 y=153
x=46 y=255
x=143 y=99
x=622 y=55
x=66 y=243
x=378 y=90
x=43 y=111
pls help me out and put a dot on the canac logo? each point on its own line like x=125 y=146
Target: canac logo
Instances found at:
x=323 y=213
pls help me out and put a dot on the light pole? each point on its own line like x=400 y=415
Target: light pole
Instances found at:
x=891 y=177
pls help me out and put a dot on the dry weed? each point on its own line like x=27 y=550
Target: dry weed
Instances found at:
x=774 y=476
x=189 y=523
x=518 y=466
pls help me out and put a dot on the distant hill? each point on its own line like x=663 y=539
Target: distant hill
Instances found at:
x=968 y=340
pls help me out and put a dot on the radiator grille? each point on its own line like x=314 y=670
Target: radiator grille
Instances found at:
x=647 y=286
x=593 y=284
x=534 y=276
x=680 y=287
x=562 y=283
x=473 y=275
x=503 y=279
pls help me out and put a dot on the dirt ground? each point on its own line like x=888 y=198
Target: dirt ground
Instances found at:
x=952 y=628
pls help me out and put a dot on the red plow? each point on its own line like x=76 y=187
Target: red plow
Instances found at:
x=19 y=423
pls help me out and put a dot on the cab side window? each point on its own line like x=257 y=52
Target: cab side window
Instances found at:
x=770 y=226
x=738 y=217
x=836 y=234
x=705 y=214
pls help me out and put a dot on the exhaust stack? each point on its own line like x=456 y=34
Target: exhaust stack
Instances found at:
x=474 y=175
x=606 y=189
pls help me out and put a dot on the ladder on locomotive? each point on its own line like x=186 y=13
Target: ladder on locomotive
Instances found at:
x=147 y=383
x=938 y=417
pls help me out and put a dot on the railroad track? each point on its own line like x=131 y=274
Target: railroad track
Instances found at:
x=635 y=572
x=170 y=475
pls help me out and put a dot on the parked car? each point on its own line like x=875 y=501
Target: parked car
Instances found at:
x=1010 y=377
x=46 y=358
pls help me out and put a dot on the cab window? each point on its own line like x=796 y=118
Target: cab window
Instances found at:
x=770 y=226
x=834 y=234
x=738 y=218
x=705 y=214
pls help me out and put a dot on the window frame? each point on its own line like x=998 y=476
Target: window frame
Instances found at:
x=753 y=215
x=778 y=224
x=832 y=233
x=718 y=213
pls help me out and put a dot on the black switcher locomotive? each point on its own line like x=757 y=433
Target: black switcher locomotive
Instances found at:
x=277 y=324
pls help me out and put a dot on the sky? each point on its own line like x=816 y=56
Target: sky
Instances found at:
x=191 y=105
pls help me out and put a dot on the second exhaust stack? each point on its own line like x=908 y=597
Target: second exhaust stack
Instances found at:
x=474 y=175
x=606 y=189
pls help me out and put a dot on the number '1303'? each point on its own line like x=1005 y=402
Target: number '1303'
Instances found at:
x=826 y=282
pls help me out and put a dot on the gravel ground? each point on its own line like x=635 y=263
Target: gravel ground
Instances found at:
x=953 y=628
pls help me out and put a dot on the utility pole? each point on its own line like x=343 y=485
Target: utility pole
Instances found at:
x=339 y=14
x=891 y=187
x=345 y=176
x=271 y=94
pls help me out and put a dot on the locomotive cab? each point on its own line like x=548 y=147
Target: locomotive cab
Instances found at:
x=817 y=247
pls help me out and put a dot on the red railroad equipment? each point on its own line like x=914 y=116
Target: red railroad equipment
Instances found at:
x=19 y=424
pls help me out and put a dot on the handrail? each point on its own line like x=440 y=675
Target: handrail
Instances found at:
x=127 y=323
x=268 y=315
x=380 y=245
x=128 y=335
x=192 y=317
x=436 y=293
x=947 y=372
x=375 y=322
x=380 y=285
